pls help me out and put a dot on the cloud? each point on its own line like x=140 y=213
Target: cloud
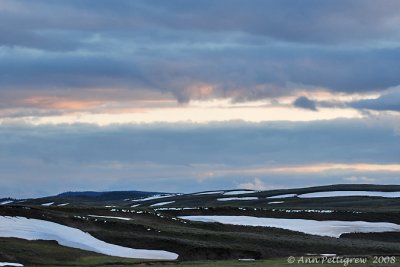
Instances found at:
x=61 y=104
x=65 y=156
x=257 y=184
x=310 y=21
x=238 y=144
x=59 y=57
x=304 y=102
x=389 y=100
x=200 y=50
x=324 y=167
x=242 y=73
x=360 y=179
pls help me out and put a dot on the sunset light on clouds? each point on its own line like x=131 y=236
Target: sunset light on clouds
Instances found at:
x=197 y=95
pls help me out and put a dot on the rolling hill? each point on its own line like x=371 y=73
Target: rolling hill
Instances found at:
x=211 y=225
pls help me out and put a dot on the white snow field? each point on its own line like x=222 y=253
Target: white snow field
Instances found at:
x=10 y=264
x=283 y=196
x=321 y=228
x=342 y=194
x=111 y=217
x=48 y=204
x=153 y=197
x=162 y=203
x=33 y=229
x=239 y=192
x=351 y=193
x=208 y=193
x=6 y=202
x=237 y=198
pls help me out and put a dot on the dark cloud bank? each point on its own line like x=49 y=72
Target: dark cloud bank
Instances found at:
x=56 y=158
x=245 y=49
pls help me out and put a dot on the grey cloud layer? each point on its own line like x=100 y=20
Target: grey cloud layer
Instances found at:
x=309 y=21
x=241 y=72
x=387 y=101
x=244 y=49
x=304 y=102
x=243 y=144
x=86 y=157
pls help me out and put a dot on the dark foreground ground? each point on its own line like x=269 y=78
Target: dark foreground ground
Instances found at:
x=48 y=253
x=206 y=244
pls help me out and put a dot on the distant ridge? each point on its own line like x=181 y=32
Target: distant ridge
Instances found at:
x=219 y=198
x=80 y=193
x=108 y=195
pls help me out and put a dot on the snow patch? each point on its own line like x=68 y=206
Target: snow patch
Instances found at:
x=237 y=198
x=48 y=204
x=351 y=193
x=284 y=196
x=6 y=202
x=10 y=264
x=33 y=229
x=111 y=217
x=153 y=197
x=162 y=203
x=179 y=209
x=298 y=211
x=208 y=193
x=321 y=228
x=63 y=204
x=276 y=202
x=239 y=192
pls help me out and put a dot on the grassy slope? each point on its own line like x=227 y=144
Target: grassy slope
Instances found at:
x=48 y=253
x=199 y=241
x=196 y=240
x=40 y=253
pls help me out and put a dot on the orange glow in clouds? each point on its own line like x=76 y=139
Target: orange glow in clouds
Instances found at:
x=358 y=167
x=61 y=103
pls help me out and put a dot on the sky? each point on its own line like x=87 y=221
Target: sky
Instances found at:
x=187 y=95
